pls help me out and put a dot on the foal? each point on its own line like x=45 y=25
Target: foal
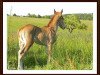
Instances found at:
x=46 y=35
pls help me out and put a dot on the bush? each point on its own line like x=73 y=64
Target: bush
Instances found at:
x=73 y=22
x=83 y=26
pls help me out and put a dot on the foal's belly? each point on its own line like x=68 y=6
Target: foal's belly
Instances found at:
x=42 y=39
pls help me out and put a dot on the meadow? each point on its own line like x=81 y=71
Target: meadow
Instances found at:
x=71 y=51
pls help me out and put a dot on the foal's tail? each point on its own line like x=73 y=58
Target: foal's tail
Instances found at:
x=19 y=30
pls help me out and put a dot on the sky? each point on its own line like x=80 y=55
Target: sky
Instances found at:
x=47 y=8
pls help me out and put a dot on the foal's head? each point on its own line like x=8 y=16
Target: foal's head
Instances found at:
x=60 y=21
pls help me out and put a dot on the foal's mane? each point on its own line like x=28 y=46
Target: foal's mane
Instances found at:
x=51 y=20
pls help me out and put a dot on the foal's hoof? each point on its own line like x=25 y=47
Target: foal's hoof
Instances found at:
x=48 y=62
x=20 y=69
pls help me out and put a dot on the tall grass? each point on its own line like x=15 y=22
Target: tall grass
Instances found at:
x=71 y=51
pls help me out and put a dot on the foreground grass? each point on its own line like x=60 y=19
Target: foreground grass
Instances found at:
x=71 y=51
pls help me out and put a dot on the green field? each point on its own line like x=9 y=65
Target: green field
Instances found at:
x=71 y=51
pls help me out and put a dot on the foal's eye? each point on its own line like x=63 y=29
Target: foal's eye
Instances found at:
x=61 y=17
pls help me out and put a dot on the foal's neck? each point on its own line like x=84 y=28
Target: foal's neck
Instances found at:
x=53 y=22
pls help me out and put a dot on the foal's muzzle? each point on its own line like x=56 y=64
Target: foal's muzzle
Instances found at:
x=64 y=27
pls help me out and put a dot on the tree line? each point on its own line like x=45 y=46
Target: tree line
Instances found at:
x=32 y=16
x=81 y=16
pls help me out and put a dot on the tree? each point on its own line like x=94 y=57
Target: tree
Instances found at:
x=32 y=15
x=8 y=15
x=73 y=22
x=39 y=16
x=29 y=15
x=14 y=14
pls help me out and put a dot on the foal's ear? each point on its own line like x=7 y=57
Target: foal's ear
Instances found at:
x=62 y=11
x=54 y=11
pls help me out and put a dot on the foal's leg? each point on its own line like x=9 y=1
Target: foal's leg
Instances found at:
x=22 y=47
x=49 y=47
x=22 y=52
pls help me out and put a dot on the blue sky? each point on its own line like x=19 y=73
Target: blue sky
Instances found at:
x=46 y=8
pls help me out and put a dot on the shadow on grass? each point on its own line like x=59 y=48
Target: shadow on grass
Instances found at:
x=31 y=61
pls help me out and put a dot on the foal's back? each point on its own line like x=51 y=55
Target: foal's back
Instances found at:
x=36 y=34
x=33 y=33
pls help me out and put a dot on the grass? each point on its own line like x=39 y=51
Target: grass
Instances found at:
x=71 y=51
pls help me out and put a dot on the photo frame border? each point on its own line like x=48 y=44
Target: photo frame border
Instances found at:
x=1 y=32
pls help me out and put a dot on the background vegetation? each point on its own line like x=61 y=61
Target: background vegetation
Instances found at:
x=71 y=51
x=81 y=16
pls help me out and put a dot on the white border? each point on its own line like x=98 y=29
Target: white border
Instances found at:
x=94 y=71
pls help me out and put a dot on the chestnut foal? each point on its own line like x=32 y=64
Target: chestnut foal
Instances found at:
x=46 y=35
